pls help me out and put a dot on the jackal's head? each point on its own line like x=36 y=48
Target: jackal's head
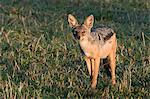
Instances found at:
x=80 y=31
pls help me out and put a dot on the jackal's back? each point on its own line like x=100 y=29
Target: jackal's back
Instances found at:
x=102 y=34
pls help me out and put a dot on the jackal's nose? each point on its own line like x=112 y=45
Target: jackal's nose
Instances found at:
x=75 y=34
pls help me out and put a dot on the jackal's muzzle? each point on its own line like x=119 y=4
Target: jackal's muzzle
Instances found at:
x=76 y=34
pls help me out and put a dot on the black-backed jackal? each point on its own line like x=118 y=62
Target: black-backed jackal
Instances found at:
x=95 y=44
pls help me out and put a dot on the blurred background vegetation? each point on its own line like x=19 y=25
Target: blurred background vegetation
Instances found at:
x=40 y=59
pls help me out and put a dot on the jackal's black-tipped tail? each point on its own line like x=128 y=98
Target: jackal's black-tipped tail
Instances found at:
x=107 y=67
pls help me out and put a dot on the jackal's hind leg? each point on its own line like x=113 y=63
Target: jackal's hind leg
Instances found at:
x=113 y=67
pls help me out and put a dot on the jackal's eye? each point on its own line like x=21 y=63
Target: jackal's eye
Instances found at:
x=83 y=32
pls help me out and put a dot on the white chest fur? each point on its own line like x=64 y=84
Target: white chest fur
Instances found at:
x=88 y=48
x=96 y=49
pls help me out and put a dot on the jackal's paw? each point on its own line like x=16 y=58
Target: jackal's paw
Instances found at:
x=93 y=85
x=113 y=82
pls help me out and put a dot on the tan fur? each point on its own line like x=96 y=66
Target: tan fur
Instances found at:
x=94 y=50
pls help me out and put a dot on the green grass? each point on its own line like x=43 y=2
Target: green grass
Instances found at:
x=39 y=57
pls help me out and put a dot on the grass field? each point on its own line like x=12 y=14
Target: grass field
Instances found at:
x=40 y=59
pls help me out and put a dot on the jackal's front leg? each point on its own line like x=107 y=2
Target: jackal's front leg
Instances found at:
x=96 y=71
x=92 y=67
x=88 y=62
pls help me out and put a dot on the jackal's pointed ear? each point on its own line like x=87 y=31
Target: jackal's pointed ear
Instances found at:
x=89 y=21
x=72 y=21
